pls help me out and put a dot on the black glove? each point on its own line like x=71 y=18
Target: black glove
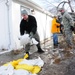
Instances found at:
x=72 y=28
x=57 y=21
x=31 y=35
x=58 y=26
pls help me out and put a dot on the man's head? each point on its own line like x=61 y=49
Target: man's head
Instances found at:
x=55 y=17
x=61 y=10
x=24 y=14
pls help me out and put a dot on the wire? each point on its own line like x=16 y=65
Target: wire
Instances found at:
x=50 y=3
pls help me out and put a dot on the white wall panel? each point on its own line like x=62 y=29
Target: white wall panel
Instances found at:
x=16 y=18
x=48 y=26
x=4 y=37
x=43 y=23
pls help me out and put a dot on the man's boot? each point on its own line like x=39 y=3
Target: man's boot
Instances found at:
x=39 y=49
x=55 y=45
x=27 y=56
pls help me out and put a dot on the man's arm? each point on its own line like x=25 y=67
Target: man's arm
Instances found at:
x=70 y=19
x=34 y=29
x=21 y=29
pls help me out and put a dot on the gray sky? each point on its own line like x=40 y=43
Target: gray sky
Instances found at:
x=50 y=5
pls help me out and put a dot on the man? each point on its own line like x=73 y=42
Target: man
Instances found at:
x=67 y=23
x=55 y=30
x=29 y=25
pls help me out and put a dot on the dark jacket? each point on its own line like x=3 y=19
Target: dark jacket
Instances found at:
x=29 y=26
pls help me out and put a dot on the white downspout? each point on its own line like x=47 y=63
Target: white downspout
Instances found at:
x=7 y=4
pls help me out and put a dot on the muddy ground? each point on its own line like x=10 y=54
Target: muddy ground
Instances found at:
x=57 y=61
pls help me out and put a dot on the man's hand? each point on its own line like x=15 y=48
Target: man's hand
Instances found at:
x=31 y=35
x=72 y=28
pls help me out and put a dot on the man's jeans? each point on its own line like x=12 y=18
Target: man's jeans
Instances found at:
x=55 y=39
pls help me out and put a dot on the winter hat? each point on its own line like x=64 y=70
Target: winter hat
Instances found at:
x=24 y=12
x=61 y=9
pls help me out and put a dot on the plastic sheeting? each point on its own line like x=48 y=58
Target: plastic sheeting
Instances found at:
x=22 y=67
x=25 y=39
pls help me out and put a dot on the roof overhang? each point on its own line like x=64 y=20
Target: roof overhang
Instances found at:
x=32 y=5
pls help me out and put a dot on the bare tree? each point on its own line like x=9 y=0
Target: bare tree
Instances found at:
x=64 y=2
x=69 y=2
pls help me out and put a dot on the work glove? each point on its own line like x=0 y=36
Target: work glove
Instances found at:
x=72 y=28
x=31 y=35
x=58 y=26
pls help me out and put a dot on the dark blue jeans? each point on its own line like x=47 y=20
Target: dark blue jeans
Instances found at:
x=55 y=39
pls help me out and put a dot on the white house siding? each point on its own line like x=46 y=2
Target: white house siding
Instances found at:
x=48 y=27
x=4 y=26
x=16 y=18
x=43 y=22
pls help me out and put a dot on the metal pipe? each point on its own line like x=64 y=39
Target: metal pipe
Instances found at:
x=7 y=4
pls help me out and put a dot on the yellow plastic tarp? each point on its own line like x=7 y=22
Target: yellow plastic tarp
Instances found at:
x=30 y=68
x=14 y=62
